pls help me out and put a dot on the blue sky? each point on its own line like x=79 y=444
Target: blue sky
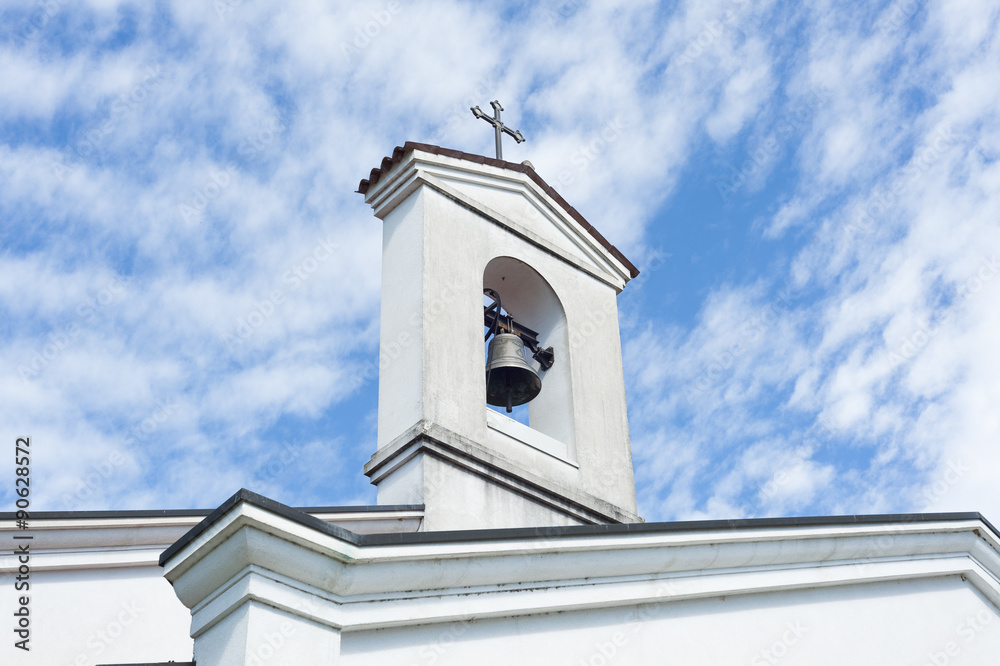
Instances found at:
x=812 y=193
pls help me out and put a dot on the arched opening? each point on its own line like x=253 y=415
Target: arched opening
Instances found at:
x=530 y=300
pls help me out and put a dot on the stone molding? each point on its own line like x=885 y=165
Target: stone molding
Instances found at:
x=432 y=439
x=253 y=554
x=422 y=168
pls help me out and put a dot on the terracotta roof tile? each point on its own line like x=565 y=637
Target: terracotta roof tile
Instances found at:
x=400 y=151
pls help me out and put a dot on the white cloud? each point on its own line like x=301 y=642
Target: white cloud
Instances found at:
x=264 y=119
x=887 y=277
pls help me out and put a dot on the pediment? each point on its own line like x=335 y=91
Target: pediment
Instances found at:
x=510 y=194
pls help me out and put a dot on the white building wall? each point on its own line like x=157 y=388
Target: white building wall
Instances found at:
x=400 y=373
x=100 y=616
x=258 y=635
x=934 y=621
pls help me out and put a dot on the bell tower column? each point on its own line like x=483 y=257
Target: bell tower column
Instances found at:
x=454 y=224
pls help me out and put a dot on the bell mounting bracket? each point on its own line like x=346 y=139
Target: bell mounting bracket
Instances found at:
x=497 y=321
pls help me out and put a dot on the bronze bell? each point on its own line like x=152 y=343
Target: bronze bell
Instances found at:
x=510 y=381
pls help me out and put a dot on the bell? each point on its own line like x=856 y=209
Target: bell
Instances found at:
x=510 y=381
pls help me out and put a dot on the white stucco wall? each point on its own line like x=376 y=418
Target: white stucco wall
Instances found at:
x=933 y=621
x=88 y=617
x=258 y=635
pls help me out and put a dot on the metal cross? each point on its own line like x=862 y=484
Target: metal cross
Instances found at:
x=498 y=126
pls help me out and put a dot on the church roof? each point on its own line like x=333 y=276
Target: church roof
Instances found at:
x=560 y=532
x=401 y=151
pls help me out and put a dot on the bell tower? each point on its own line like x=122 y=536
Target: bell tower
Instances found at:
x=454 y=225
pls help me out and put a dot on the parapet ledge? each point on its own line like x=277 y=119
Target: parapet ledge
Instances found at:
x=256 y=550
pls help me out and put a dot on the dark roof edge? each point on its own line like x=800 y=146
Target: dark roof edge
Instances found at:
x=244 y=495
x=669 y=527
x=401 y=151
x=158 y=663
x=180 y=513
x=410 y=538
